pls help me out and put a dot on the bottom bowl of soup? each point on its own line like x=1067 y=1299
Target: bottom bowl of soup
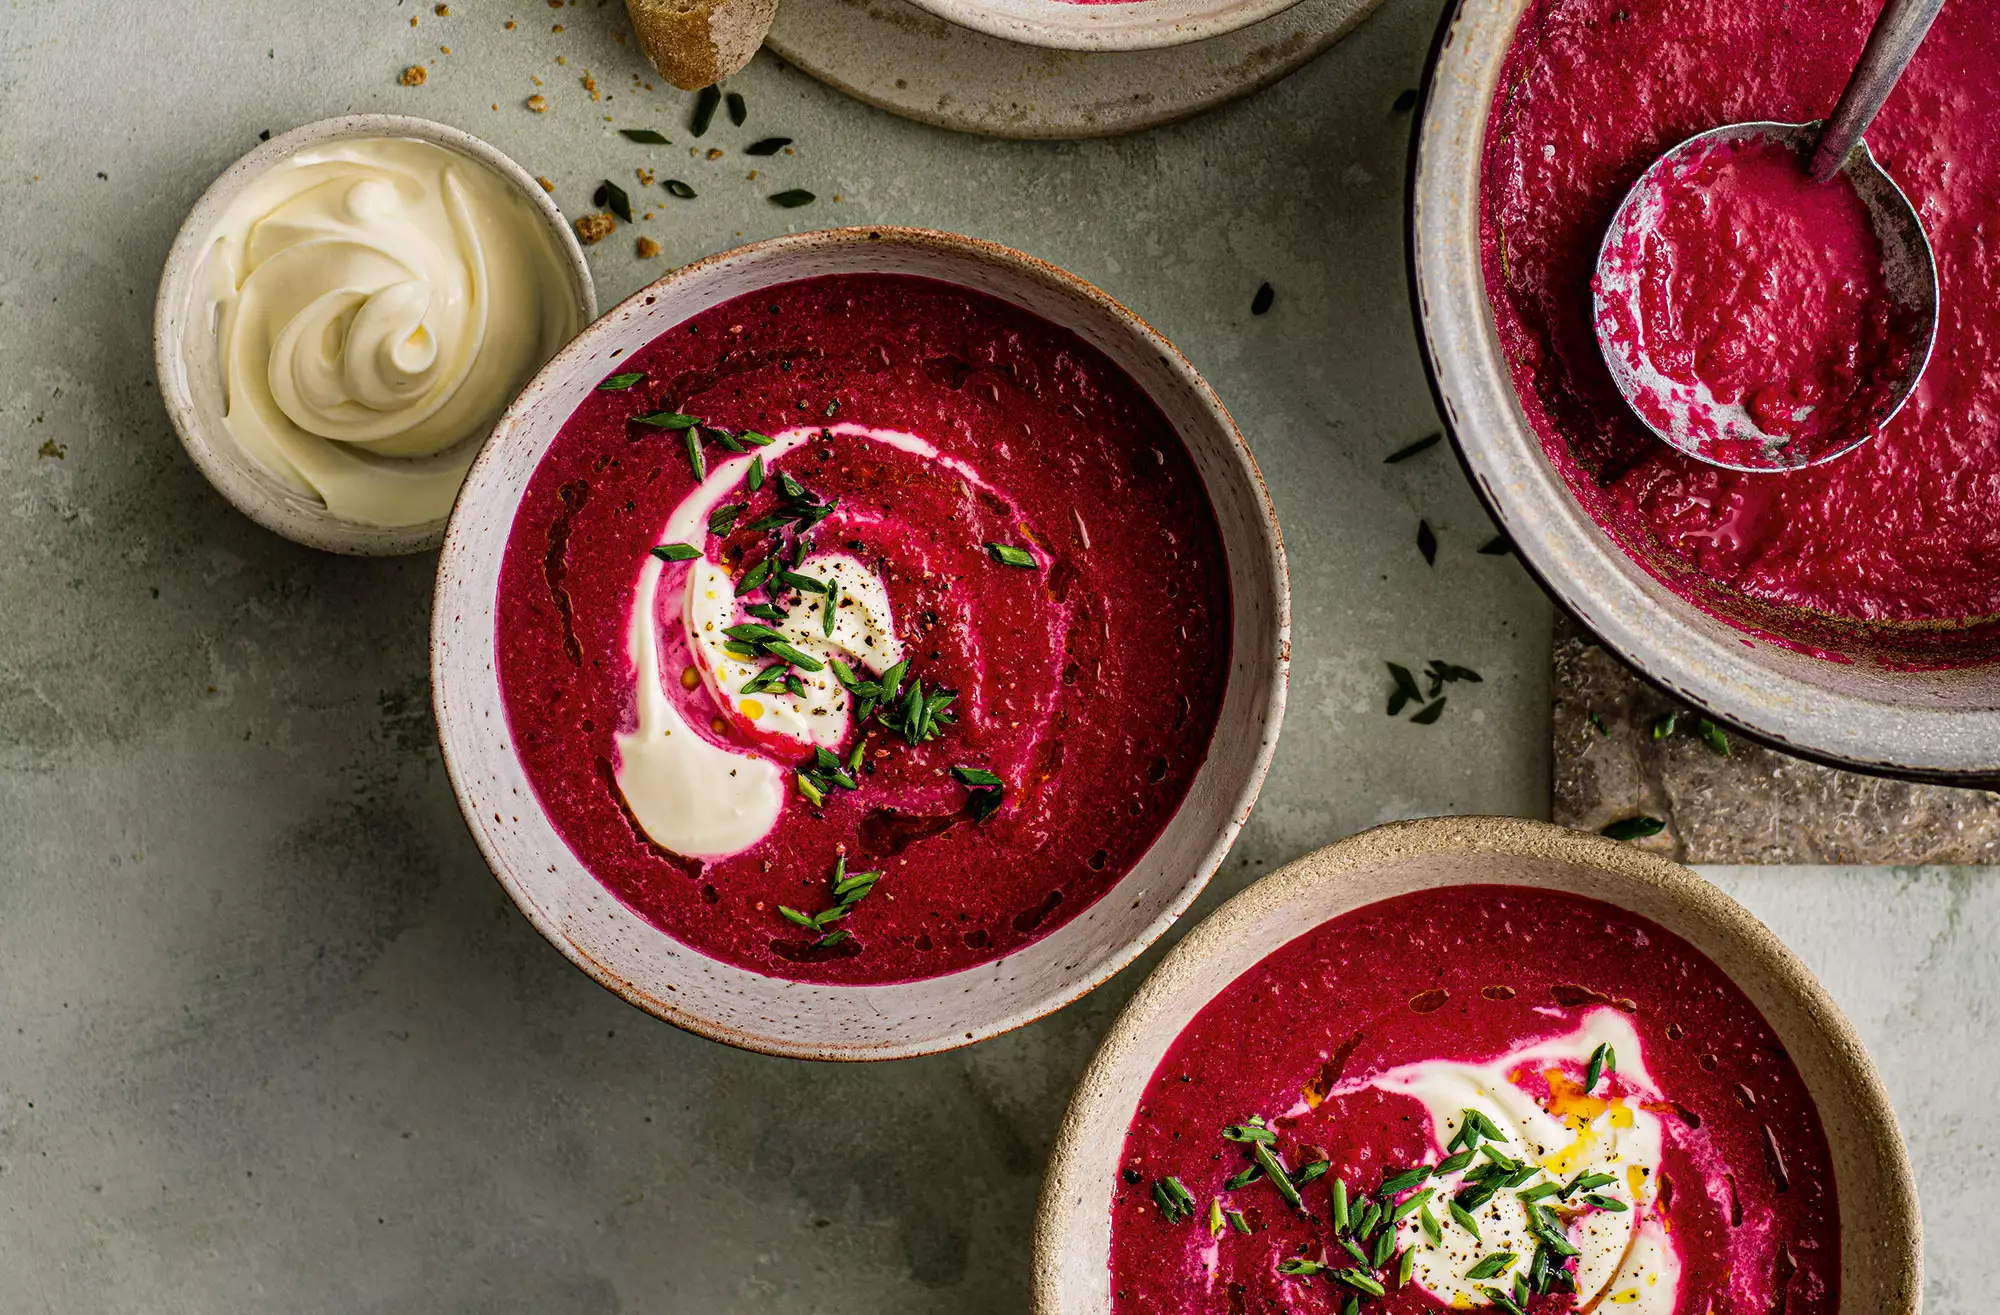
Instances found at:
x=1480 y=1063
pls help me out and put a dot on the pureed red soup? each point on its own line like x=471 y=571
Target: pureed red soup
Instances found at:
x=1486 y=1096
x=1891 y=550
x=863 y=629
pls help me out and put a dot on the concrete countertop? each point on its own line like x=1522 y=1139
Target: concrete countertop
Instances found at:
x=272 y=1039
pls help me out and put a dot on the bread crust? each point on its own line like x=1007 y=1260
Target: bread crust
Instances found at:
x=696 y=43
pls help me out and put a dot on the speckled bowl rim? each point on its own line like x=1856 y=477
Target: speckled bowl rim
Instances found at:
x=1106 y=26
x=1075 y=1204
x=1854 y=716
x=1268 y=555
x=248 y=487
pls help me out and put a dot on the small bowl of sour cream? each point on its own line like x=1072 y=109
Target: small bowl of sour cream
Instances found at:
x=344 y=315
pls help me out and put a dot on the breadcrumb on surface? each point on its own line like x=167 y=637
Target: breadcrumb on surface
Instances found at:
x=414 y=76
x=594 y=228
x=442 y=11
x=647 y=248
x=547 y=186
x=538 y=103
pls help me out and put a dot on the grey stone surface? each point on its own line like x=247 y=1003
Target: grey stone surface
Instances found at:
x=1624 y=750
x=271 y=1039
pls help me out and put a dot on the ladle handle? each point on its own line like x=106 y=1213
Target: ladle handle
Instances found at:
x=1897 y=33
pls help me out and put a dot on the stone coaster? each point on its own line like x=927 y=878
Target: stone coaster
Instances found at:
x=1748 y=805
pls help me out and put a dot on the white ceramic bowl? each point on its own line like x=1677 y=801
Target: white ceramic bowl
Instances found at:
x=1881 y=1244
x=1118 y=25
x=184 y=345
x=667 y=978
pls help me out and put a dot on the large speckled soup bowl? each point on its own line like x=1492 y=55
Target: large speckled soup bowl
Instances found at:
x=666 y=977
x=1881 y=1260
x=1105 y=25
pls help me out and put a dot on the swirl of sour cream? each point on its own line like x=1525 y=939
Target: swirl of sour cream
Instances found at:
x=380 y=301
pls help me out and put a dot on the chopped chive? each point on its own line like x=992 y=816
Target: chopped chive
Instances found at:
x=1453 y=1163
x=738 y=649
x=1385 y=1246
x=738 y=111
x=1502 y=1300
x=666 y=420
x=755 y=439
x=723 y=519
x=1008 y=555
x=980 y=776
x=1261 y=300
x=1405 y=1266
x=1427 y=542
x=1300 y=1267
x=803 y=583
x=1215 y=1224
x=1428 y=1222
x=1602 y=1060
x=1405 y=1180
x=1463 y=1218
x=1275 y=1171
x=676 y=552
x=618 y=383
x=1492 y=1266
x=1485 y=1126
x=1237 y=1221
x=1506 y=1163
x=1353 y=1248
x=754 y=480
x=644 y=136
x=1338 y=1193
x=1412 y=1204
x=755 y=576
x=691 y=439
x=801 y=919
x=767 y=146
x=1604 y=1202
x=1307 y=1173
x=704 y=109
x=723 y=437
x=1538 y=1191
x=1352 y=1306
x=1633 y=828
x=1249 y=1175
x=1711 y=735
x=826 y=611
x=792 y=198
x=803 y=661
x=676 y=188
x=810 y=789
x=1370 y=1216
x=751 y=633
x=1243 y=1132
x=615 y=198
x=1359 y=1281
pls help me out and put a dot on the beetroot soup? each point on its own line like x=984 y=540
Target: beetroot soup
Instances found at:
x=863 y=629
x=1892 y=549
x=1486 y=1097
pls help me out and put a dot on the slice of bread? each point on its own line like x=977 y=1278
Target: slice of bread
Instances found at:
x=695 y=43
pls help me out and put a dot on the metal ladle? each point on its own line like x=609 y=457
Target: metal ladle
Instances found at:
x=1697 y=417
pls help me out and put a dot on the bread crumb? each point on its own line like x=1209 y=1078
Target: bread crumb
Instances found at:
x=444 y=50
x=559 y=59
x=414 y=76
x=752 y=176
x=496 y=104
x=594 y=228
x=647 y=248
x=547 y=186
x=644 y=175
x=532 y=78
x=715 y=153
x=509 y=25
x=442 y=11
x=413 y=20
x=557 y=28
x=539 y=104
x=836 y=198
x=589 y=84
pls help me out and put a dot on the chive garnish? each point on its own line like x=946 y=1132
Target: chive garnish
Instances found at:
x=1663 y=725
x=1352 y=1248
x=723 y=437
x=1453 y=1163
x=755 y=439
x=1484 y=1126
x=1249 y=1131
x=1385 y=1246
x=1538 y=1191
x=803 y=661
x=618 y=383
x=1008 y=555
x=1352 y=1306
x=1405 y=1180
x=754 y=480
x=1585 y=1182
x=676 y=188
x=1406 y=1266
x=1428 y=714
x=755 y=576
x=1338 y=1192
x=666 y=420
x=644 y=136
x=723 y=519
x=1412 y=1204
x=1261 y=300
x=1427 y=542
x=1463 y=1218
x=1633 y=828
x=1371 y=1215
x=1237 y=1221
x=792 y=198
x=1428 y=1222
x=738 y=649
x=1307 y=1173
x=691 y=439
x=826 y=611
x=612 y=196
x=1492 y=1266
x=1506 y=1163
x=1249 y=1175
x=803 y=583
x=1215 y=1224
x=704 y=109
x=1604 y=1202
x=1602 y=1060
x=980 y=776
x=1712 y=736
x=676 y=552
x=1300 y=1267
x=1502 y=1300
x=1359 y=1281
x=738 y=111
x=1274 y=1169
x=767 y=146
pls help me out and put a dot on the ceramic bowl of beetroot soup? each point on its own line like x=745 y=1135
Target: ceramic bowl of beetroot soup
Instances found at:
x=860 y=643
x=1849 y=611
x=1105 y=24
x=1479 y=1064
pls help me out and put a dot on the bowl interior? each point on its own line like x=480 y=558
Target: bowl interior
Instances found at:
x=1880 y=1241
x=187 y=350
x=677 y=983
x=1105 y=24
x=1828 y=691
